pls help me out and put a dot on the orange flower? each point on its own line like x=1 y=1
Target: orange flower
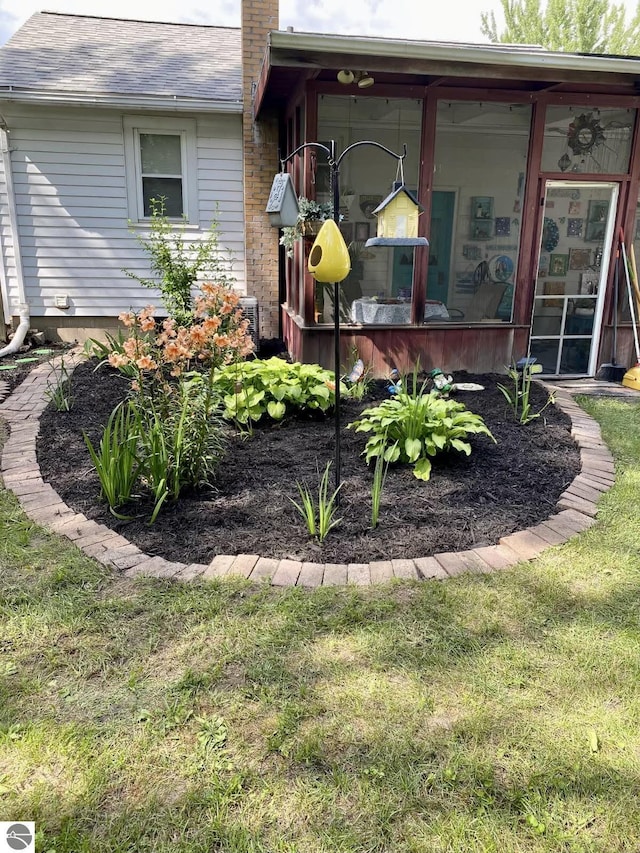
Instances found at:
x=116 y=359
x=172 y=351
x=127 y=318
x=146 y=363
x=147 y=324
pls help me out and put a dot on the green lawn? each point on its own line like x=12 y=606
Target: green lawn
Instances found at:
x=486 y=713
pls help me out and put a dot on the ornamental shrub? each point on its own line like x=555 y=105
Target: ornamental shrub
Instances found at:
x=413 y=426
x=273 y=388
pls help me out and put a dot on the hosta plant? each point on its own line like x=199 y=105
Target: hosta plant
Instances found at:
x=273 y=388
x=413 y=427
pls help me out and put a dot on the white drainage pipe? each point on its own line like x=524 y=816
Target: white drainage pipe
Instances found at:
x=20 y=334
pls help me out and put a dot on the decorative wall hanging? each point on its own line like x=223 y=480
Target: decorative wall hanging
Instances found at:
x=471 y=253
x=503 y=226
x=575 y=208
x=501 y=268
x=579 y=259
x=556 y=288
x=584 y=134
x=550 y=234
x=574 y=227
x=558 y=265
x=368 y=204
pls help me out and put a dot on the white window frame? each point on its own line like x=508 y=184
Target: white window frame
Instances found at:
x=185 y=128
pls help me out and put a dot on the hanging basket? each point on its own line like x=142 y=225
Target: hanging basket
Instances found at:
x=311 y=228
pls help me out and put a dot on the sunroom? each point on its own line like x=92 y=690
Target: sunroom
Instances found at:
x=525 y=164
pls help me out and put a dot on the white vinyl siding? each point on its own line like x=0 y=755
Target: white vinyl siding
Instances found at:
x=73 y=207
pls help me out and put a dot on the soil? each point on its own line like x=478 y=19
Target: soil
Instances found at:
x=468 y=501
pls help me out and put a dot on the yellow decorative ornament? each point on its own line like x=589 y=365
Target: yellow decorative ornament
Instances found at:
x=329 y=258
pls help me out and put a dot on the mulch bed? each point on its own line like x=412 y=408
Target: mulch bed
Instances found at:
x=469 y=501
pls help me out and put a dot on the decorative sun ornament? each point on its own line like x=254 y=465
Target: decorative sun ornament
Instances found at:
x=584 y=134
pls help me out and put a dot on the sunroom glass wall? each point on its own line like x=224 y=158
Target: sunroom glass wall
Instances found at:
x=379 y=288
x=480 y=166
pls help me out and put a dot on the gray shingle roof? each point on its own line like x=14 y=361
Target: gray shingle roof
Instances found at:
x=55 y=52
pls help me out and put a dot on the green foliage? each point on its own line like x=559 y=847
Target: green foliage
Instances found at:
x=308 y=211
x=58 y=391
x=164 y=448
x=320 y=515
x=177 y=265
x=273 y=388
x=577 y=26
x=380 y=471
x=116 y=462
x=181 y=442
x=414 y=426
x=114 y=345
x=518 y=397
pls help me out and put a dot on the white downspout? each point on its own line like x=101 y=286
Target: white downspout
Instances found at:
x=23 y=308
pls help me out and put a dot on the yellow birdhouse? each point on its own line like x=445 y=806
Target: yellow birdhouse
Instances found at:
x=398 y=220
x=329 y=257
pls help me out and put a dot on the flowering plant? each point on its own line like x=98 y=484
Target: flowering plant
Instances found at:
x=218 y=335
x=173 y=420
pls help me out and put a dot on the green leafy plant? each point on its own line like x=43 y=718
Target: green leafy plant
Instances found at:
x=113 y=345
x=116 y=462
x=519 y=395
x=180 y=446
x=175 y=409
x=177 y=264
x=273 y=388
x=58 y=391
x=319 y=515
x=380 y=471
x=308 y=211
x=414 y=426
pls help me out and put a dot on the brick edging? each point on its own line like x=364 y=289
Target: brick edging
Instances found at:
x=21 y=474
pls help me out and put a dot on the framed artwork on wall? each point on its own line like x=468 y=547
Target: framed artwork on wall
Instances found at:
x=558 y=265
x=361 y=233
x=554 y=287
x=503 y=226
x=346 y=229
x=574 y=227
x=579 y=259
x=596 y=220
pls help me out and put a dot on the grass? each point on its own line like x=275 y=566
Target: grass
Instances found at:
x=487 y=713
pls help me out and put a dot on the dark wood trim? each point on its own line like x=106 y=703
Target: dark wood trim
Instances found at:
x=529 y=230
x=425 y=183
x=379 y=90
x=582 y=99
x=262 y=84
x=585 y=176
x=469 y=93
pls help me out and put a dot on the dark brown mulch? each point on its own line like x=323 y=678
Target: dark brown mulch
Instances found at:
x=469 y=501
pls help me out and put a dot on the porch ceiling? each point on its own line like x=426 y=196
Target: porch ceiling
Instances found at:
x=292 y=58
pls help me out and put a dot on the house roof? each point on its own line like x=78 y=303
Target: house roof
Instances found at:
x=79 y=58
x=437 y=65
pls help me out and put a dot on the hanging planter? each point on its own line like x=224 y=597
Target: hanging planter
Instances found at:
x=310 y=218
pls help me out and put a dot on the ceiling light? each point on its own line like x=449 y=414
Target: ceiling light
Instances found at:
x=365 y=80
x=346 y=77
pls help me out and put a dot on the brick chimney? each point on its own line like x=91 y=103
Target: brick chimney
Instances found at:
x=260 y=141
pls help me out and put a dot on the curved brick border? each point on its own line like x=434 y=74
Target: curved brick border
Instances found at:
x=21 y=474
